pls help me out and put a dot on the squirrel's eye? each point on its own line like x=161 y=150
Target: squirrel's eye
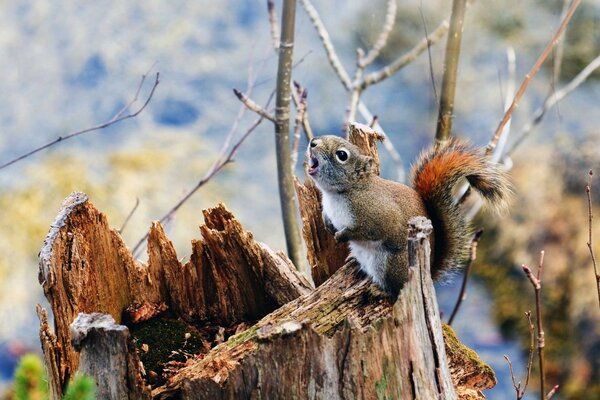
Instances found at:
x=341 y=155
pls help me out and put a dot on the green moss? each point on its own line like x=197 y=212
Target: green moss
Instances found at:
x=242 y=337
x=382 y=384
x=469 y=355
x=166 y=341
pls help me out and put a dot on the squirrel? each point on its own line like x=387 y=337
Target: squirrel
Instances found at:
x=372 y=213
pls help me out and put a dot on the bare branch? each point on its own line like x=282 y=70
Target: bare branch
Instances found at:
x=446 y=111
x=556 y=96
x=388 y=25
x=531 y=350
x=387 y=143
x=305 y=122
x=431 y=74
x=355 y=92
x=588 y=190
x=521 y=389
x=118 y=117
x=463 y=288
x=273 y=24
x=300 y=115
x=251 y=105
x=215 y=168
x=407 y=58
x=531 y=74
x=137 y=203
x=332 y=56
x=558 y=53
x=287 y=192
x=536 y=282
x=516 y=386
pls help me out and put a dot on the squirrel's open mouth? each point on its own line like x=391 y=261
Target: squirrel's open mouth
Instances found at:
x=313 y=165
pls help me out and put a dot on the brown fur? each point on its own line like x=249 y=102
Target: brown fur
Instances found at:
x=380 y=209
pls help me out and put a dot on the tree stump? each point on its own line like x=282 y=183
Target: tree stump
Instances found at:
x=238 y=321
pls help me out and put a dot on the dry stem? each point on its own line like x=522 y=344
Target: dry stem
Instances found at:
x=553 y=99
x=287 y=192
x=445 y=115
x=588 y=190
x=118 y=117
x=390 y=19
x=531 y=74
x=301 y=93
x=273 y=24
x=225 y=158
x=520 y=390
x=251 y=105
x=463 y=288
x=536 y=282
x=405 y=59
x=137 y=203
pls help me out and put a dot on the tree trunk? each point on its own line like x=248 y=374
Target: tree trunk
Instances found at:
x=237 y=320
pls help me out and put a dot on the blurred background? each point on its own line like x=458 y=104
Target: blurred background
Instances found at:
x=67 y=65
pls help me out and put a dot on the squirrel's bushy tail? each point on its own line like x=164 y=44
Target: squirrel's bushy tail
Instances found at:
x=434 y=176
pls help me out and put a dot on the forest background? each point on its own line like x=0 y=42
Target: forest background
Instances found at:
x=67 y=66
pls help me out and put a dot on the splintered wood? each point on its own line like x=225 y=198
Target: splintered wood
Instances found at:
x=85 y=267
x=246 y=323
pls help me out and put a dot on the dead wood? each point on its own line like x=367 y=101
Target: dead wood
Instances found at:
x=246 y=324
x=85 y=267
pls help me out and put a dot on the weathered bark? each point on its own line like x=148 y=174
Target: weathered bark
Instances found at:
x=344 y=339
x=107 y=354
x=85 y=267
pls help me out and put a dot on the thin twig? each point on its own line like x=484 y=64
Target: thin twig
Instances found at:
x=301 y=110
x=251 y=105
x=118 y=117
x=556 y=96
x=332 y=56
x=273 y=24
x=536 y=282
x=387 y=143
x=308 y=132
x=588 y=190
x=405 y=59
x=431 y=74
x=521 y=389
x=531 y=350
x=137 y=203
x=463 y=288
x=558 y=57
x=355 y=92
x=451 y=58
x=388 y=25
x=530 y=75
x=516 y=385
x=215 y=168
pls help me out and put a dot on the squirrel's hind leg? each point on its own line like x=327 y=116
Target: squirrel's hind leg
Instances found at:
x=396 y=273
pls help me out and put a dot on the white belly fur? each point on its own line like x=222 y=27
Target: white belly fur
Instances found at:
x=372 y=258
x=371 y=255
x=337 y=210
